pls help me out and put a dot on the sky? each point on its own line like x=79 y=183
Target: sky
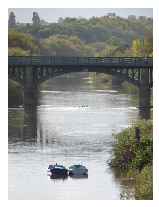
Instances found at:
x=52 y=15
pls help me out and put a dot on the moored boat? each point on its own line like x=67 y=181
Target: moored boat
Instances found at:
x=57 y=171
x=78 y=170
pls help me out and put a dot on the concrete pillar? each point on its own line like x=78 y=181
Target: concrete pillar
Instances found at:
x=144 y=95
x=116 y=81
x=30 y=104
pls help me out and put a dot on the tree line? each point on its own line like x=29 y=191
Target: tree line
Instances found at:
x=97 y=36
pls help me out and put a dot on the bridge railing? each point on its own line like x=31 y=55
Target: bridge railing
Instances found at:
x=55 y=60
x=19 y=60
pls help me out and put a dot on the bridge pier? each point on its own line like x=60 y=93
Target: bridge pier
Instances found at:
x=116 y=81
x=30 y=104
x=144 y=95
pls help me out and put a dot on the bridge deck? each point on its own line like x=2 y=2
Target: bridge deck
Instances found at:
x=80 y=61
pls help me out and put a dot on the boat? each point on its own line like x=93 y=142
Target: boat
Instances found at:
x=57 y=171
x=78 y=170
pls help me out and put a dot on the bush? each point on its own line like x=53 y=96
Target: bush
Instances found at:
x=21 y=42
x=128 y=154
x=17 y=51
x=133 y=159
x=144 y=184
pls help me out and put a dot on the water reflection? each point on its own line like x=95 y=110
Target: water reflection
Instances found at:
x=22 y=125
x=30 y=124
x=128 y=185
x=79 y=176
x=57 y=177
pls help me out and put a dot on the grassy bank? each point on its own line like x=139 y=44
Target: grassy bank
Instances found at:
x=133 y=157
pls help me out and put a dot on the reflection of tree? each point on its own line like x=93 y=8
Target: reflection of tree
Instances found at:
x=15 y=125
x=30 y=124
x=127 y=194
x=127 y=184
x=22 y=125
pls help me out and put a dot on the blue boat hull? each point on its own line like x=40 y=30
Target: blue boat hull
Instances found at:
x=59 y=172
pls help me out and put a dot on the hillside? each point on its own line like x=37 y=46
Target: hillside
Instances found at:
x=97 y=36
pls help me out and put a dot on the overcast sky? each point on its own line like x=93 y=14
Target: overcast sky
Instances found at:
x=52 y=15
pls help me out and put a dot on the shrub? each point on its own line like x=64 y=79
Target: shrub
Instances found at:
x=134 y=159
x=144 y=184
x=130 y=154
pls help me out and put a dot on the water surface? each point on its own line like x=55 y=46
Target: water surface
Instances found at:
x=74 y=127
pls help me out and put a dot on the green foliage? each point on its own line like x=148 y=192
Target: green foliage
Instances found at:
x=17 y=51
x=134 y=160
x=148 y=46
x=144 y=184
x=98 y=29
x=128 y=154
x=22 y=43
x=61 y=45
x=137 y=47
x=97 y=36
x=143 y=47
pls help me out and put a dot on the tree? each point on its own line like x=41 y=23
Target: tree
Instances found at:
x=148 y=45
x=12 y=20
x=143 y=47
x=97 y=36
x=19 y=42
x=16 y=51
x=36 y=19
x=137 y=47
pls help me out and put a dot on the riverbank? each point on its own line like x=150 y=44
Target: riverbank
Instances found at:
x=132 y=158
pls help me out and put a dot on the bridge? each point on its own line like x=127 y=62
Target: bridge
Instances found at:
x=30 y=71
x=45 y=67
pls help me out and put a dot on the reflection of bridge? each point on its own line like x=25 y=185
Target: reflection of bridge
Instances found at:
x=31 y=71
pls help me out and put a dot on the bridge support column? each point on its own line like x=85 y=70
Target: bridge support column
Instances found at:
x=30 y=104
x=144 y=95
x=116 y=81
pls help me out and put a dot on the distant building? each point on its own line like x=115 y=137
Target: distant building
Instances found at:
x=132 y=17
x=12 y=20
x=111 y=15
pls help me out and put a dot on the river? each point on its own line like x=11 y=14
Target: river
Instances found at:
x=76 y=123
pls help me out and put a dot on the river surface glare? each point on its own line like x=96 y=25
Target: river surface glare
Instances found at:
x=74 y=127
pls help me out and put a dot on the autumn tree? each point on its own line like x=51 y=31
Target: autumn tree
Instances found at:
x=22 y=44
x=143 y=47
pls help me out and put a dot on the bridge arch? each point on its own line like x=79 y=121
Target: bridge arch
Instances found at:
x=129 y=75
